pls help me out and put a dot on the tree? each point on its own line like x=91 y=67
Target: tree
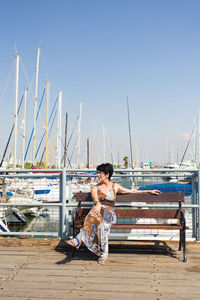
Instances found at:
x=125 y=159
x=27 y=165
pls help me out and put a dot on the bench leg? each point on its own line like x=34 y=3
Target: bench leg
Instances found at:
x=180 y=240
x=73 y=252
x=184 y=247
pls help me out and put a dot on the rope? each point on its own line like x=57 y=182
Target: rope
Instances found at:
x=8 y=142
x=188 y=143
x=50 y=129
x=33 y=127
x=48 y=137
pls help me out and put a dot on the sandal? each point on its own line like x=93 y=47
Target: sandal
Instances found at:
x=71 y=243
x=101 y=260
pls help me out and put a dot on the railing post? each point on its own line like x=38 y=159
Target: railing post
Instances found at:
x=70 y=210
x=194 y=197
x=198 y=209
x=62 y=208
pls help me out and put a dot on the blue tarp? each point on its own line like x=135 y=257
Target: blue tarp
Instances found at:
x=184 y=188
x=10 y=194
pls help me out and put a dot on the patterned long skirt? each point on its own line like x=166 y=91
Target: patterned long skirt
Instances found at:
x=96 y=229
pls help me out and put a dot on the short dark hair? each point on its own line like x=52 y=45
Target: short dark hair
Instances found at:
x=106 y=169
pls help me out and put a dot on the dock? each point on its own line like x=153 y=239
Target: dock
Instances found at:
x=44 y=269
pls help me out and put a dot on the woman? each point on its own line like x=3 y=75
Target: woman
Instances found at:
x=95 y=231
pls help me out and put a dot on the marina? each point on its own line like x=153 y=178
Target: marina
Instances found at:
x=100 y=150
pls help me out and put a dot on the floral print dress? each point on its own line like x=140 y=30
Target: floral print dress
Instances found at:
x=96 y=229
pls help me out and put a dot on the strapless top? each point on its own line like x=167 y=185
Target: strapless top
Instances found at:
x=107 y=198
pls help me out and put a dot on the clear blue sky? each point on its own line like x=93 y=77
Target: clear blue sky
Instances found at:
x=100 y=52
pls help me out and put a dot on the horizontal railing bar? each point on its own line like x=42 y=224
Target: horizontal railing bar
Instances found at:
x=132 y=204
x=54 y=171
x=30 y=176
x=153 y=175
x=134 y=175
x=30 y=170
x=90 y=205
x=94 y=170
x=30 y=204
x=30 y=233
x=86 y=176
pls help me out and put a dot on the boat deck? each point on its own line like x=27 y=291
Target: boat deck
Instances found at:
x=43 y=269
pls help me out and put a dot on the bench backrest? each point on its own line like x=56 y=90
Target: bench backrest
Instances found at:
x=137 y=197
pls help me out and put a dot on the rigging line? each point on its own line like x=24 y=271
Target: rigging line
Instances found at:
x=72 y=133
x=11 y=132
x=188 y=143
x=43 y=138
x=7 y=82
x=30 y=88
x=51 y=148
x=28 y=81
x=111 y=150
x=44 y=65
x=33 y=127
x=50 y=129
x=62 y=142
x=52 y=122
x=70 y=136
x=69 y=160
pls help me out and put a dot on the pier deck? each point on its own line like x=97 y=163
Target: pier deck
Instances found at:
x=43 y=269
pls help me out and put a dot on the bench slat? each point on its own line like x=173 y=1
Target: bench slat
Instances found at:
x=139 y=213
x=142 y=226
x=148 y=226
x=148 y=213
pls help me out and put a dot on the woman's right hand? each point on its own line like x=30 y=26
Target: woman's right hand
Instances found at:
x=95 y=211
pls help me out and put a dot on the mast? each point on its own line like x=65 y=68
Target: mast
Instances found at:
x=199 y=143
x=24 y=127
x=16 y=105
x=35 y=105
x=196 y=145
x=65 y=147
x=129 y=127
x=59 y=130
x=111 y=151
x=88 y=153
x=46 y=128
x=104 y=145
x=79 y=137
x=93 y=147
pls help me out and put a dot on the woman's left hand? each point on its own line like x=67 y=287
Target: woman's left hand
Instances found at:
x=95 y=211
x=154 y=192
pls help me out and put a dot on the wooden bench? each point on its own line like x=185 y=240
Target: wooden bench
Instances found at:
x=145 y=214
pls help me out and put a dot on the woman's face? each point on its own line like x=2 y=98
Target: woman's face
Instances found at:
x=102 y=176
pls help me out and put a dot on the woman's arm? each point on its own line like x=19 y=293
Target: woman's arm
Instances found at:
x=122 y=190
x=97 y=208
x=94 y=195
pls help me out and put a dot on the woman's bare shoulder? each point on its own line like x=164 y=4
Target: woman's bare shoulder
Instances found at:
x=94 y=187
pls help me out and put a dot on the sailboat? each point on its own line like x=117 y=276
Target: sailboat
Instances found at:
x=3 y=227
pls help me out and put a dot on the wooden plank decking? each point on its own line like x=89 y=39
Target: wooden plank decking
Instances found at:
x=43 y=269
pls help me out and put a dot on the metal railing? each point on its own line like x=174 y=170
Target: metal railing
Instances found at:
x=64 y=206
